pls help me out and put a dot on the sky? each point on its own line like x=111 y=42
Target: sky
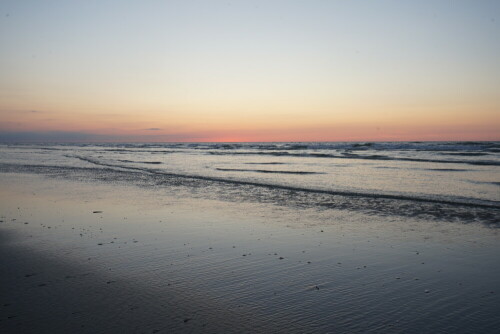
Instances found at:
x=249 y=70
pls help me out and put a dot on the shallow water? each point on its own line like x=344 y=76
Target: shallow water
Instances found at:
x=155 y=257
x=451 y=180
x=198 y=238
x=454 y=171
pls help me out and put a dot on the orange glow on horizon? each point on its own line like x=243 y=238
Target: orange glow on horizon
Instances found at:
x=180 y=74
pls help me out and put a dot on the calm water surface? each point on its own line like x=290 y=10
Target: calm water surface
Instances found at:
x=287 y=237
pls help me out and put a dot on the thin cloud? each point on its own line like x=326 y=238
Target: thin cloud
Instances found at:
x=30 y=111
x=85 y=137
x=153 y=129
x=49 y=137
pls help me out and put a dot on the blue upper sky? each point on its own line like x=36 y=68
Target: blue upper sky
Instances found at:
x=210 y=66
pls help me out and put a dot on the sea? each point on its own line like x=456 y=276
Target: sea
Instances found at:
x=295 y=237
x=457 y=181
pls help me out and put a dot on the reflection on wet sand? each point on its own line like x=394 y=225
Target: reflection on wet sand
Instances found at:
x=106 y=257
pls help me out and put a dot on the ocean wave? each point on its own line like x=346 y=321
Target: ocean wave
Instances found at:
x=433 y=208
x=266 y=163
x=349 y=155
x=494 y=183
x=267 y=171
x=430 y=199
x=448 y=200
x=142 y=162
x=460 y=146
x=120 y=150
x=448 y=169
x=467 y=154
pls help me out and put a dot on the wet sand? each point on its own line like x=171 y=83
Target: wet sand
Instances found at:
x=105 y=258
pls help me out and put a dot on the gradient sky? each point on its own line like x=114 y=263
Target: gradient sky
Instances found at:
x=249 y=70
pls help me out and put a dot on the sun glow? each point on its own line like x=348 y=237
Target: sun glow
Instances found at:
x=171 y=72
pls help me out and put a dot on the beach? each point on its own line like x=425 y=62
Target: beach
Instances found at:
x=295 y=167
x=105 y=250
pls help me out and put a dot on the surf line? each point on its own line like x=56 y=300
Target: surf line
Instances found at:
x=298 y=189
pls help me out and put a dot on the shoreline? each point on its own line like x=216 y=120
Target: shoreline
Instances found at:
x=175 y=263
x=486 y=212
